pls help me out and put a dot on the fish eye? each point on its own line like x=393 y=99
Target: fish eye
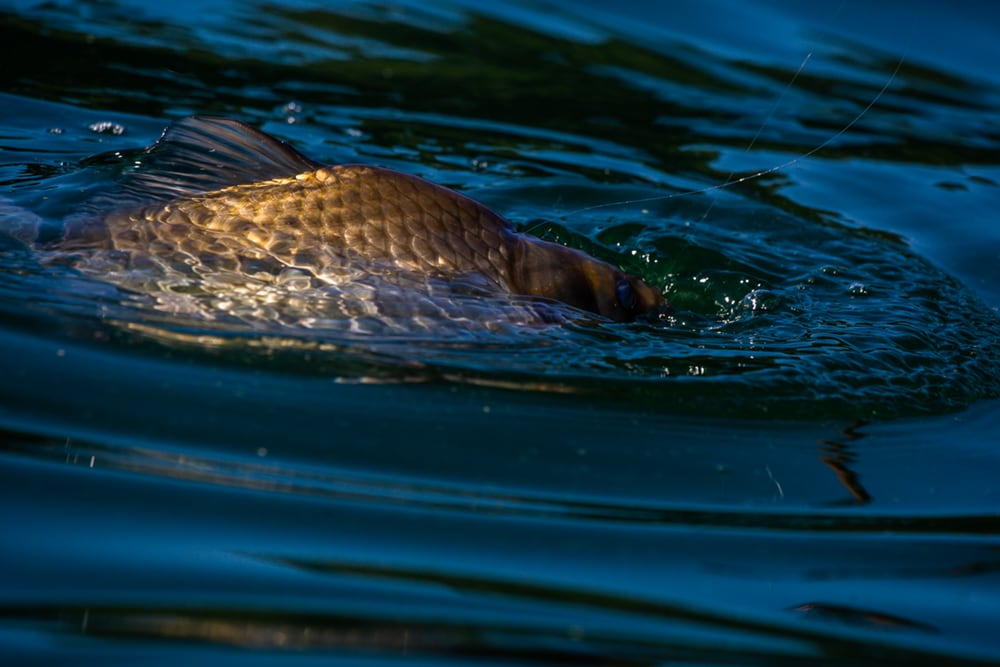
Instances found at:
x=626 y=295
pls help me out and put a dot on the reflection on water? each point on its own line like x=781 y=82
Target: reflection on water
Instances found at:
x=577 y=644
x=840 y=455
x=310 y=558
x=312 y=481
x=724 y=485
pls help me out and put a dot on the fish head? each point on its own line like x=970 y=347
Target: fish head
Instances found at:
x=565 y=274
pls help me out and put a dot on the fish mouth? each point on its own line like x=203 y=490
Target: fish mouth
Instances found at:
x=649 y=299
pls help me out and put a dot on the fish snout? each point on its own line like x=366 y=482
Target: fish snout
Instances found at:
x=577 y=279
x=620 y=296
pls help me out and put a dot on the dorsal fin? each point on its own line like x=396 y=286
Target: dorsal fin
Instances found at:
x=203 y=153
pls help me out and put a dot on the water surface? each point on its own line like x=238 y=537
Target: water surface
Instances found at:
x=796 y=465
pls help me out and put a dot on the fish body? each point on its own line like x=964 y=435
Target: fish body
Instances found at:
x=226 y=199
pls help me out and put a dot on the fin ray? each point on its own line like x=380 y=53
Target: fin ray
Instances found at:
x=204 y=153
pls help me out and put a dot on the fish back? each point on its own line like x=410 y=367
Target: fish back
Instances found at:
x=323 y=221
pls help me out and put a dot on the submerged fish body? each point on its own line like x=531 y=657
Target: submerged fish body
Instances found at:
x=216 y=203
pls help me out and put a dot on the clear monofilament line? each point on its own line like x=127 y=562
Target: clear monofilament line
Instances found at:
x=764 y=172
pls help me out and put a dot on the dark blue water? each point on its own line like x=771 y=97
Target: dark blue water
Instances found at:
x=797 y=466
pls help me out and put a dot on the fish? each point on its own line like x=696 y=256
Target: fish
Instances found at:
x=217 y=197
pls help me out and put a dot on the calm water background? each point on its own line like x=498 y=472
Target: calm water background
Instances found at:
x=798 y=467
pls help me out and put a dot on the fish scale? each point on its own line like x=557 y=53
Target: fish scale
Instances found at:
x=347 y=227
x=409 y=233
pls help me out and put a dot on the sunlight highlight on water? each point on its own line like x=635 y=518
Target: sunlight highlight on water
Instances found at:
x=795 y=465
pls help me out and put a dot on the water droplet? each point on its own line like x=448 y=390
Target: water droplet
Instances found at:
x=107 y=127
x=758 y=301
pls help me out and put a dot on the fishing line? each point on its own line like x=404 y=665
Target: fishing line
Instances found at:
x=763 y=124
x=777 y=103
x=742 y=179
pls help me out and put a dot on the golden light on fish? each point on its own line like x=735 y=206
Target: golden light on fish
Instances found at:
x=216 y=195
